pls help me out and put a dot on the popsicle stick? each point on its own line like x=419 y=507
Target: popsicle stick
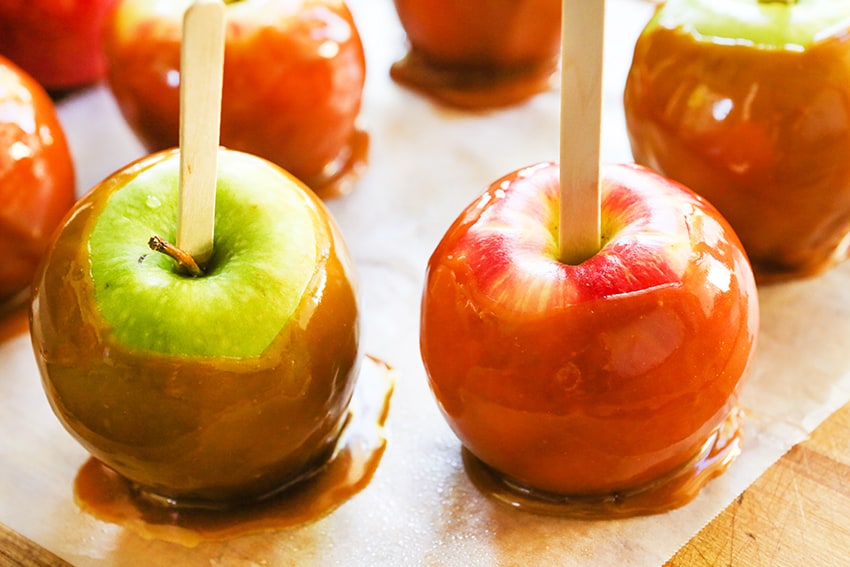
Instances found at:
x=582 y=40
x=201 y=69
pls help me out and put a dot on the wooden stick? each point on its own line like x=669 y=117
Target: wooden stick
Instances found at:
x=582 y=41
x=201 y=68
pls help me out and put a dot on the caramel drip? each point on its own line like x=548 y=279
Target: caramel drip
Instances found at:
x=669 y=492
x=106 y=495
x=473 y=88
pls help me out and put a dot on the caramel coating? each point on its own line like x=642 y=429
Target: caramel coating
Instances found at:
x=192 y=431
x=630 y=367
x=763 y=134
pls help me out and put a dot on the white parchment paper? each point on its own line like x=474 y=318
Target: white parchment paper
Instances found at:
x=427 y=163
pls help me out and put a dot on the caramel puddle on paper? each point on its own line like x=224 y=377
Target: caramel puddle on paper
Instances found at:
x=473 y=88
x=107 y=496
x=671 y=491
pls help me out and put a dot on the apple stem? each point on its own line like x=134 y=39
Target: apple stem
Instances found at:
x=184 y=259
x=201 y=72
x=582 y=46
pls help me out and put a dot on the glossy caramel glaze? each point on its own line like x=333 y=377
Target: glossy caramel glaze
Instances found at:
x=292 y=86
x=668 y=492
x=598 y=378
x=108 y=496
x=763 y=134
x=37 y=185
x=198 y=431
x=479 y=55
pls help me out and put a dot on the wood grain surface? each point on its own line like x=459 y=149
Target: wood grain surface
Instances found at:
x=796 y=513
x=18 y=551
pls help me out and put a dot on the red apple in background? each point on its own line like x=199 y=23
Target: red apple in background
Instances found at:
x=748 y=104
x=36 y=177
x=479 y=54
x=597 y=378
x=293 y=80
x=58 y=42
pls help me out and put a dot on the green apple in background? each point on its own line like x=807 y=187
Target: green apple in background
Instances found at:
x=200 y=390
x=777 y=24
x=747 y=102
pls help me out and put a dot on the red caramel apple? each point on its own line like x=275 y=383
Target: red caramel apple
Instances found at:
x=748 y=104
x=58 y=42
x=294 y=73
x=479 y=54
x=597 y=382
x=201 y=391
x=36 y=177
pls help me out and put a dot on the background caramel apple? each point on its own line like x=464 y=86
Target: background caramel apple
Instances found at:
x=747 y=103
x=293 y=80
x=58 y=42
x=36 y=176
x=479 y=54
x=210 y=390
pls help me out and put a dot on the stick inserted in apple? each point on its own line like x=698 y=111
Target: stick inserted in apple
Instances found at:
x=294 y=74
x=210 y=388
x=590 y=360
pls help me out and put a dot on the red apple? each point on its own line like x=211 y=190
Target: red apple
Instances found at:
x=36 y=177
x=748 y=104
x=479 y=54
x=58 y=42
x=293 y=80
x=595 y=378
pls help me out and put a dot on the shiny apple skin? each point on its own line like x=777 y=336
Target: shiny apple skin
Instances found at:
x=58 y=42
x=197 y=431
x=595 y=378
x=293 y=79
x=36 y=177
x=763 y=134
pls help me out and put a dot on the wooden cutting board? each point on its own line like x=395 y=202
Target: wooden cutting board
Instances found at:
x=796 y=513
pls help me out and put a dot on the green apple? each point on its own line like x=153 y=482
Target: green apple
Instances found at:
x=780 y=24
x=746 y=102
x=200 y=390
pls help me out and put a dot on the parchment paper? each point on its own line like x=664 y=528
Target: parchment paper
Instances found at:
x=427 y=163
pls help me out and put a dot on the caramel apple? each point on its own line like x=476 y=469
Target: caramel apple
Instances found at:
x=483 y=54
x=606 y=387
x=58 y=42
x=747 y=103
x=293 y=82
x=207 y=390
x=36 y=177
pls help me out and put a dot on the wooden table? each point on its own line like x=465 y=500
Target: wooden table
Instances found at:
x=796 y=513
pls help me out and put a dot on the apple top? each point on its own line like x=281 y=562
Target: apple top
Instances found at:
x=271 y=240
x=790 y=26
